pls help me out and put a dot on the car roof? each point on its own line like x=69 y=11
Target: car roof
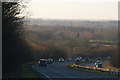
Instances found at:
x=61 y=58
x=49 y=59
x=42 y=59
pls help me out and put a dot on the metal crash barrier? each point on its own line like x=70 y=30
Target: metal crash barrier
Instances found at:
x=106 y=70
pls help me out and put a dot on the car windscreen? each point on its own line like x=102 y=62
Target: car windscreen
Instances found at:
x=42 y=61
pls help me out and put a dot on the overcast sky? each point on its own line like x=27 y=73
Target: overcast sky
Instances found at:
x=74 y=9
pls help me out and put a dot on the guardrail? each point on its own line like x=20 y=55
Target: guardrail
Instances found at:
x=106 y=70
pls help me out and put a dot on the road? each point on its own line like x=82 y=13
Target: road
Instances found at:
x=58 y=70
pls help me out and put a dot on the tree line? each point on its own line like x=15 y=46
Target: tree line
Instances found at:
x=15 y=51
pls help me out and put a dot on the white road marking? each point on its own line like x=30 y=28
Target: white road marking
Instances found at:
x=41 y=73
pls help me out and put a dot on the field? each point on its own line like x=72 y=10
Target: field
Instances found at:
x=68 y=41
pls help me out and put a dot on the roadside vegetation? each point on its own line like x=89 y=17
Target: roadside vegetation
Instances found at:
x=28 y=72
x=88 y=70
x=109 y=66
x=15 y=51
x=115 y=61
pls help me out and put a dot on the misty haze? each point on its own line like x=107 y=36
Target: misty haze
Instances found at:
x=60 y=41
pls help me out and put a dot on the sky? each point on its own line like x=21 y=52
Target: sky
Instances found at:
x=74 y=9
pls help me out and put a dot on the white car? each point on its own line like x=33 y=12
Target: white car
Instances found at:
x=99 y=64
x=49 y=61
x=61 y=60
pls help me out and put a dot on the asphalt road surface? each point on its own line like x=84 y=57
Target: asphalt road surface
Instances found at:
x=58 y=70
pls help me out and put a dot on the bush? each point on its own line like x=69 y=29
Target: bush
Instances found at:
x=115 y=60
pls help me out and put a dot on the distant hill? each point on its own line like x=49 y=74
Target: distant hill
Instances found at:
x=73 y=23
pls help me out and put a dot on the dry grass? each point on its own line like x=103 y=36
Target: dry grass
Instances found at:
x=90 y=69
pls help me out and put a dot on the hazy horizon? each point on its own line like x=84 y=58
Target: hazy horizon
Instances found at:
x=73 y=9
x=74 y=19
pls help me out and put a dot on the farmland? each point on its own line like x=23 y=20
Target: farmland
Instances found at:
x=67 y=41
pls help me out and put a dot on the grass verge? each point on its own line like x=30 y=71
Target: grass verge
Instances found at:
x=111 y=67
x=28 y=72
x=86 y=70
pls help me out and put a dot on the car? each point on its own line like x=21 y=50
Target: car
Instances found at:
x=68 y=59
x=77 y=62
x=108 y=57
x=49 y=61
x=99 y=58
x=99 y=64
x=61 y=60
x=87 y=59
x=80 y=57
x=83 y=60
x=42 y=62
